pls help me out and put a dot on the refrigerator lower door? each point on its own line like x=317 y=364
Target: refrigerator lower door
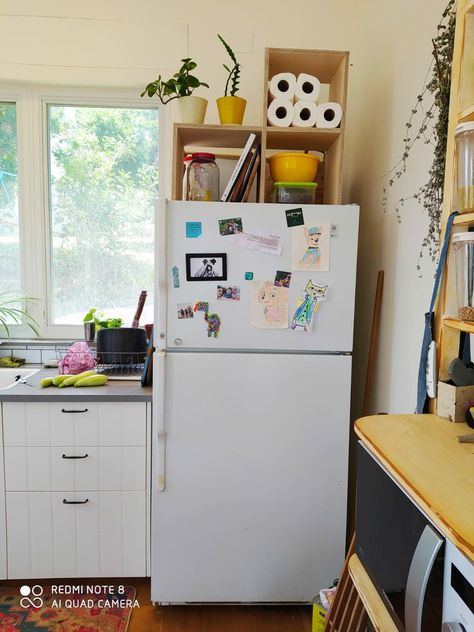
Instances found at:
x=254 y=503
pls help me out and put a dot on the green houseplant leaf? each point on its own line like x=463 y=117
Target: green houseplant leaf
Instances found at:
x=233 y=73
x=181 y=84
x=8 y=312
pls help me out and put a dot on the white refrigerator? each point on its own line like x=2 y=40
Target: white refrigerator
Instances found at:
x=251 y=422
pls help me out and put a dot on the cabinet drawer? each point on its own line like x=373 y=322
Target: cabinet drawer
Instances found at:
x=74 y=424
x=103 y=537
x=32 y=468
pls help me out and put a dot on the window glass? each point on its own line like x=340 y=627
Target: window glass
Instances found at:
x=103 y=178
x=10 y=280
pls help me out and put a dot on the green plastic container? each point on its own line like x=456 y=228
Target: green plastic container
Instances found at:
x=295 y=192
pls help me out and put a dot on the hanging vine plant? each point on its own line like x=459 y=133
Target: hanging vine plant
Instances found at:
x=428 y=123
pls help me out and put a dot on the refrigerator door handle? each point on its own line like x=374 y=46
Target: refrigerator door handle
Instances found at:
x=159 y=408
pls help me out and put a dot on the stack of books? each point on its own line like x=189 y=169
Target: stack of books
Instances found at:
x=240 y=182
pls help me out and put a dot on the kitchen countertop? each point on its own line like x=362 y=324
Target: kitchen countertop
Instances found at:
x=128 y=391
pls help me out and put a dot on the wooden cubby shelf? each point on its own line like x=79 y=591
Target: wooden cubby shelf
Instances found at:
x=464 y=219
x=460 y=325
x=330 y=67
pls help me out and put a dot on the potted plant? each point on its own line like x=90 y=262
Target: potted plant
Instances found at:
x=231 y=107
x=181 y=86
x=9 y=314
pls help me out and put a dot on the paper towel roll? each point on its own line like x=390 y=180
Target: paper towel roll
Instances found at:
x=329 y=115
x=307 y=88
x=283 y=86
x=305 y=113
x=280 y=113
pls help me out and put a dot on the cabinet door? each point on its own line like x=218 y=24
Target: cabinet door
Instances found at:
x=74 y=424
x=72 y=468
x=103 y=537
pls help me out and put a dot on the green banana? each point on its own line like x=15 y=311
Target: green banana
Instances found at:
x=72 y=379
x=92 y=380
x=46 y=381
x=59 y=378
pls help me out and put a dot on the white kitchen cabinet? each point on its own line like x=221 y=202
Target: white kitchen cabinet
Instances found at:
x=56 y=457
x=3 y=531
x=102 y=536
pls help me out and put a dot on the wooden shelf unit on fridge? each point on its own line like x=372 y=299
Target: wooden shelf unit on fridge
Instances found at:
x=448 y=327
x=227 y=141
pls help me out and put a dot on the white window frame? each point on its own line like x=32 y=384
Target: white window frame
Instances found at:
x=33 y=187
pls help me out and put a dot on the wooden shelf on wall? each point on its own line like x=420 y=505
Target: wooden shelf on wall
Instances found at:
x=460 y=325
x=331 y=68
x=464 y=219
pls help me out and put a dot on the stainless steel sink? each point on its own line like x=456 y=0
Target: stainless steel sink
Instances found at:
x=9 y=377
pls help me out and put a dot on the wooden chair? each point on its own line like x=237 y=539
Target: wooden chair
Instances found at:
x=347 y=612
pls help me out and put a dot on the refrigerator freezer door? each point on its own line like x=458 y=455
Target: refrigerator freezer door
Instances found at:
x=254 y=508
x=333 y=325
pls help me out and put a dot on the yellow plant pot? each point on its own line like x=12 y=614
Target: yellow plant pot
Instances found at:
x=231 y=110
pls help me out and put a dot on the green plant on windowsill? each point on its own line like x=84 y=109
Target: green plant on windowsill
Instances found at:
x=101 y=322
x=11 y=315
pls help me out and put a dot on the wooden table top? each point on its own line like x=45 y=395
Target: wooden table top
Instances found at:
x=424 y=456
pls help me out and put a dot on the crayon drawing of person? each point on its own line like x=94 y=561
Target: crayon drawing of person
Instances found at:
x=308 y=306
x=275 y=306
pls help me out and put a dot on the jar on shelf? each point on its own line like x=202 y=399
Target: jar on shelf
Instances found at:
x=203 y=178
x=463 y=245
x=186 y=162
x=464 y=136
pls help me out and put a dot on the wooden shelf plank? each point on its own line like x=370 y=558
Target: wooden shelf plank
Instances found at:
x=461 y=325
x=369 y=596
x=229 y=136
x=467 y=113
x=301 y=138
x=324 y=64
x=464 y=218
x=469 y=6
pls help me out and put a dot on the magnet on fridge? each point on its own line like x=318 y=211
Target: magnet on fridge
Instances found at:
x=193 y=230
x=308 y=305
x=201 y=306
x=213 y=324
x=175 y=273
x=248 y=276
x=294 y=217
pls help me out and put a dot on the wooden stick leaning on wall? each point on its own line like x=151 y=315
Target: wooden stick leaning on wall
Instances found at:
x=374 y=334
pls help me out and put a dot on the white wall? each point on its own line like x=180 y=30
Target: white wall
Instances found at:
x=126 y=43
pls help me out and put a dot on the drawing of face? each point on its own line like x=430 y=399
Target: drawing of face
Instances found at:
x=312 y=236
x=268 y=295
x=315 y=291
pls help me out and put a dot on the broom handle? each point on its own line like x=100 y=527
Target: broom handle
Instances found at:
x=373 y=343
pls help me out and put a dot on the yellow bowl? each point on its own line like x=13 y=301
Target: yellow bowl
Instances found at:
x=292 y=167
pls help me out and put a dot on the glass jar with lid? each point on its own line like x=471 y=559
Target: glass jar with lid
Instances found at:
x=463 y=245
x=464 y=136
x=203 y=178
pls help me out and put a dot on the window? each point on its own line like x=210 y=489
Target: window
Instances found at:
x=103 y=178
x=78 y=188
x=10 y=279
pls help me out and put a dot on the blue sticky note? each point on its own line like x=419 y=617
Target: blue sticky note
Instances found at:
x=193 y=229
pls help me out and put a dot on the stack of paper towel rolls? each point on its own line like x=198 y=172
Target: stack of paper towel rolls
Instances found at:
x=294 y=101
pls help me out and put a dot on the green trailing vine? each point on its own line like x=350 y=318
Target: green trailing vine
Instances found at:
x=234 y=72
x=429 y=123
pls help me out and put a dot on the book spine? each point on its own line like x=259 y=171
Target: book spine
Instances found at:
x=238 y=166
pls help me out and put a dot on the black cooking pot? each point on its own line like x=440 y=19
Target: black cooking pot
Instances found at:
x=121 y=345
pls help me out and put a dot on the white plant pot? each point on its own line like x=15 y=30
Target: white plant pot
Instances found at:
x=192 y=109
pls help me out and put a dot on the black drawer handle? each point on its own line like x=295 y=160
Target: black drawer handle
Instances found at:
x=63 y=410
x=65 y=456
x=75 y=502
